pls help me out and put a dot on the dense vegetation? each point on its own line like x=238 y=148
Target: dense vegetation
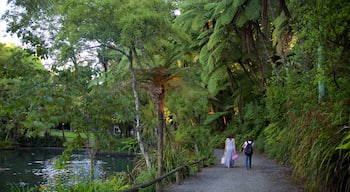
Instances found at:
x=276 y=71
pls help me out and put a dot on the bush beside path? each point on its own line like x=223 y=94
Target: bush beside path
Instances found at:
x=265 y=176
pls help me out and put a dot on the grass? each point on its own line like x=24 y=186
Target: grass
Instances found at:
x=125 y=144
x=69 y=135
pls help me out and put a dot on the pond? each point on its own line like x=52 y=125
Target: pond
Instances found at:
x=35 y=167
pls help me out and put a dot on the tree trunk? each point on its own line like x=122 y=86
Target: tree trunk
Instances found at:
x=160 y=144
x=160 y=104
x=138 y=115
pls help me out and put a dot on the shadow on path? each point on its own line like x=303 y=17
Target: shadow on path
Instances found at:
x=265 y=176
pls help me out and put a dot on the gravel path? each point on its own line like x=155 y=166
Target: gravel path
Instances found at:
x=265 y=176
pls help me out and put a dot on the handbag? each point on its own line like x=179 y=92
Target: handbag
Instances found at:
x=223 y=159
x=235 y=156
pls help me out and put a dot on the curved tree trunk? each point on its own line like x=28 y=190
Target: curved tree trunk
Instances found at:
x=138 y=115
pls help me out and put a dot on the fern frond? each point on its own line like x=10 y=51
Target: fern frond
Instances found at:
x=237 y=3
x=219 y=9
x=280 y=24
x=185 y=19
x=216 y=37
x=211 y=62
x=213 y=117
x=204 y=55
x=252 y=11
x=227 y=16
x=210 y=6
x=205 y=34
x=241 y=19
x=217 y=53
x=199 y=21
x=215 y=81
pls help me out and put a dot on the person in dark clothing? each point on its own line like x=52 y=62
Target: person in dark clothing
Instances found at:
x=248 y=147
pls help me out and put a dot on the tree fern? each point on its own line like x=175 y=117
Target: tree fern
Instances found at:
x=195 y=15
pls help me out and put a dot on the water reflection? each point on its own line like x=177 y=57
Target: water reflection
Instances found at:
x=35 y=167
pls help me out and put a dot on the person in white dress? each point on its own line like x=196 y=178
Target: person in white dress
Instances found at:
x=230 y=149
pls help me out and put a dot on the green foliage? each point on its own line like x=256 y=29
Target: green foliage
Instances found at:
x=254 y=119
x=275 y=142
x=118 y=182
x=129 y=145
x=345 y=144
x=276 y=101
x=319 y=127
x=41 y=141
x=232 y=55
x=216 y=80
x=76 y=143
x=195 y=141
x=216 y=141
x=23 y=80
x=17 y=188
x=252 y=10
x=304 y=133
x=147 y=176
x=314 y=156
x=8 y=144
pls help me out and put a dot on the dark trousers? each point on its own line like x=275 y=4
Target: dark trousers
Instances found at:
x=248 y=161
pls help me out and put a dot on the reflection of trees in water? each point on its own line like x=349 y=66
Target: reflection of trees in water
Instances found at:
x=77 y=170
x=35 y=167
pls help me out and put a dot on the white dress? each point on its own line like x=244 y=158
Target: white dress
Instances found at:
x=229 y=153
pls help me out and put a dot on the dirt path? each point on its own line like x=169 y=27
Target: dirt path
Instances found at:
x=265 y=176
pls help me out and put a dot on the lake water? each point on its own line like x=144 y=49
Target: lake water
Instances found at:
x=35 y=167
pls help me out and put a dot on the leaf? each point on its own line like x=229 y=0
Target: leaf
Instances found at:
x=237 y=3
x=227 y=16
x=213 y=117
x=199 y=21
x=346 y=143
x=241 y=19
x=252 y=11
x=215 y=38
x=280 y=24
x=215 y=81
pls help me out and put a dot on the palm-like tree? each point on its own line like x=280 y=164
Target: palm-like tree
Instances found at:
x=229 y=34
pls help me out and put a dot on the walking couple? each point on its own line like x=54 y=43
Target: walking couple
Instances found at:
x=230 y=152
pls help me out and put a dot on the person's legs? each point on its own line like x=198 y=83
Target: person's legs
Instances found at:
x=246 y=161
x=250 y=161
x=228 y=160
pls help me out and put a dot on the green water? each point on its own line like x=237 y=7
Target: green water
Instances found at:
x=35 y=167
